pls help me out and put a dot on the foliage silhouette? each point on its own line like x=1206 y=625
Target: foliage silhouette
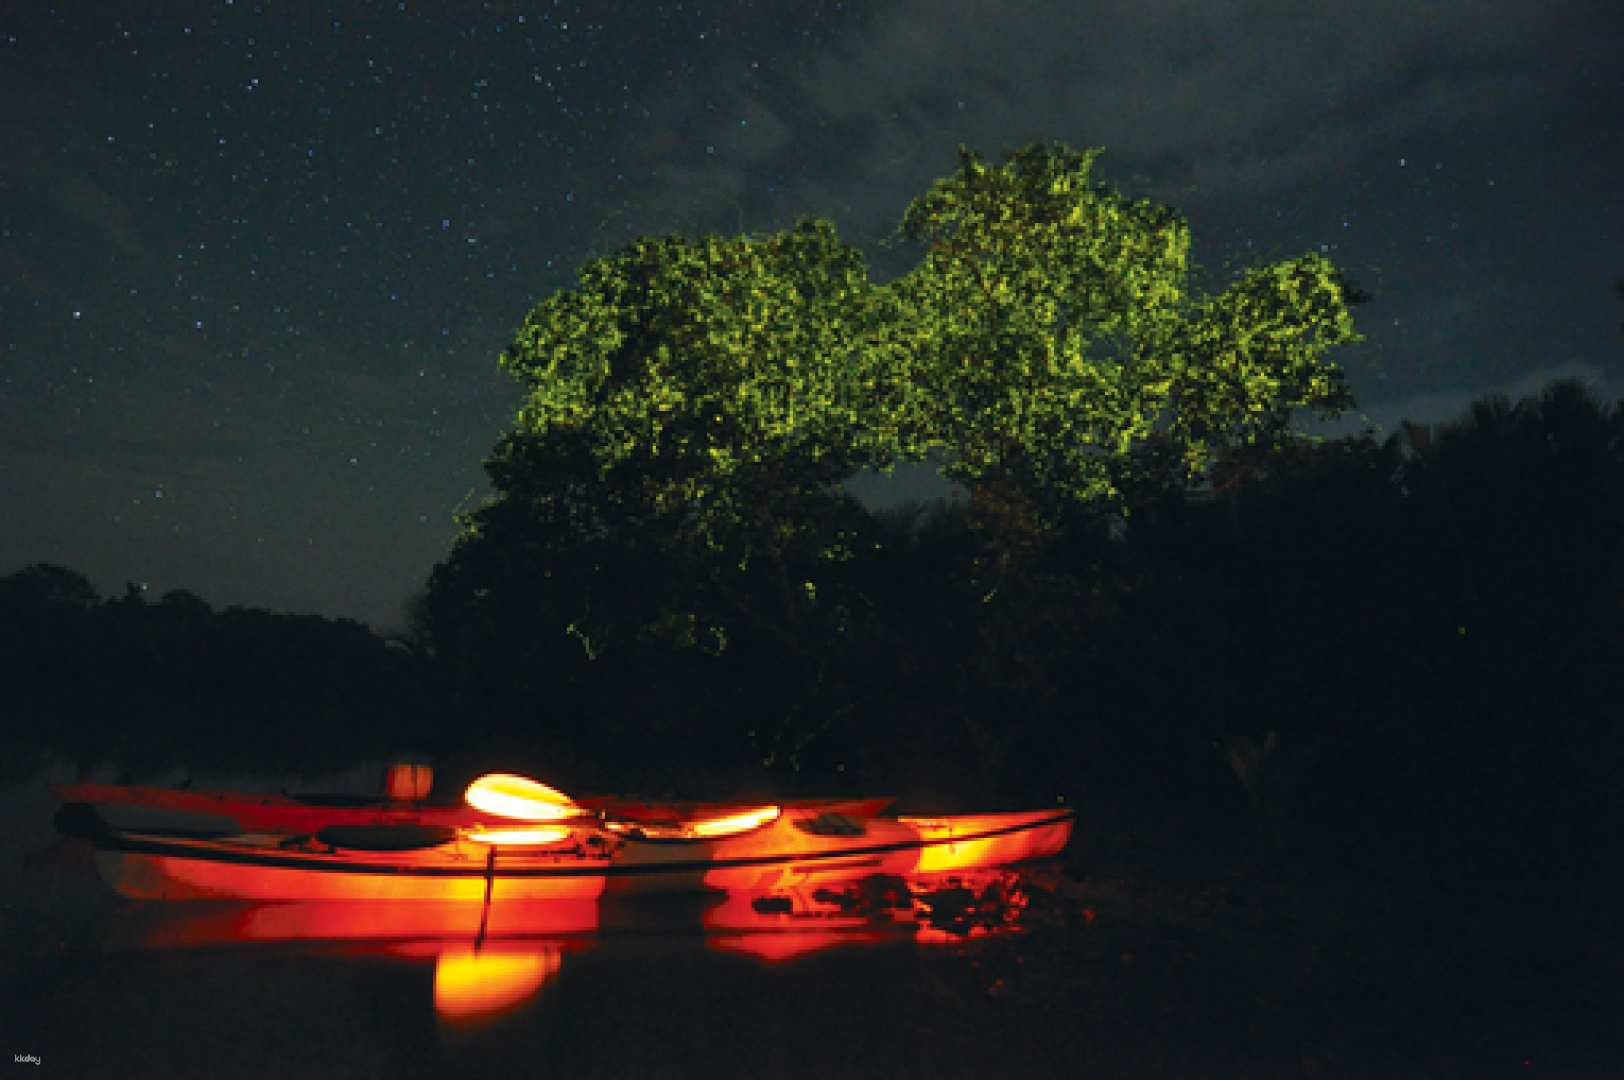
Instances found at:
x=150 y=686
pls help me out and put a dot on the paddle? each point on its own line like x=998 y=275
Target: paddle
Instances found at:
x=519 y=797
x=524 y=799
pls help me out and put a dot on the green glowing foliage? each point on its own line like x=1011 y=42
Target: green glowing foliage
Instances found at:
x=1045 y=344
x=707 y=365
x=1250 y=355
x=1053 y=326
x=1042 y=315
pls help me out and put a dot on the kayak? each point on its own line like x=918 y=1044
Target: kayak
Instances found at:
x=759 y=850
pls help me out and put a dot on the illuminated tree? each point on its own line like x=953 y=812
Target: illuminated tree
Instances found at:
x=709 y=373
x=712 y=393
x=1048 y=334
x=1057 y=341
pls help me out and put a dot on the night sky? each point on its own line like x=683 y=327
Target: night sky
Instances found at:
x=257 y=259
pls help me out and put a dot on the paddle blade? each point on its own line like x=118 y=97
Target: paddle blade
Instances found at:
x=733 y=824
x=520 y=797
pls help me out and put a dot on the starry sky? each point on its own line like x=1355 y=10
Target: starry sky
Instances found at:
x=257 y=259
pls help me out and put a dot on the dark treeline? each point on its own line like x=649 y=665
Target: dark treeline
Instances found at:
x=1413 y=646
x=150 y=685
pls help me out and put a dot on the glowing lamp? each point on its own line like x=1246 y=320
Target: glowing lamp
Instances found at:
x=507 y=795
x=532 y=835
x=408 y=782
x=733 y=824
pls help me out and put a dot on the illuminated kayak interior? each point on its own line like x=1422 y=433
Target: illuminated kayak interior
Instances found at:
x=519 y=840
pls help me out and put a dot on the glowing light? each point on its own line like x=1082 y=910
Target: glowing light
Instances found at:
x=507 y=795
x=407 y=782
x=969 y=842
x=531 y=835
x=733 y=824
x=473 y=983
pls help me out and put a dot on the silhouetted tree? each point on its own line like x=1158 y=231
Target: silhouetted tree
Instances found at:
x=669 y=495
x=46 y=584
x=152 y=685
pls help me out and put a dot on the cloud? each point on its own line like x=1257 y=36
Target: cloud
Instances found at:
x=1444 y=406
x=60 y=181
x=1249 y=99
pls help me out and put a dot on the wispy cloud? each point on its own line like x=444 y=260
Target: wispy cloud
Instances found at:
x=1220 y=100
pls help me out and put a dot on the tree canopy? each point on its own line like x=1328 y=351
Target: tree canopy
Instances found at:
x=692 y=367
x=1047 y=337
x=691 y=406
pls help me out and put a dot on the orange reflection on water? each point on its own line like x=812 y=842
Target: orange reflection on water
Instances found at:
x=493 y=959
x=879 y=908
x=738 y=924
x=474 y=983
x=775 y=946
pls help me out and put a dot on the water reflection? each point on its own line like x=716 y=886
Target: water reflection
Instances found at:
x=472 y=983
x=490 y=959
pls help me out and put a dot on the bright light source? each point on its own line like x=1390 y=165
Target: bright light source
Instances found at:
x=533 y=835
x=507 y=795
x=734 y=824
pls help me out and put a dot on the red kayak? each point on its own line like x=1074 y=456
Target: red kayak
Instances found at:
x=519 y=839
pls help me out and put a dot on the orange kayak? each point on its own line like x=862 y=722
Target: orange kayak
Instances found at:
x=401 y=858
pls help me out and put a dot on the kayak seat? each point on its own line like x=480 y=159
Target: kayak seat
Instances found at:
x=80 y=821
x=386 y=837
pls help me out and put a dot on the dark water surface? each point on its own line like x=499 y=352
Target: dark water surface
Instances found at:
x=1123 y=976
x=614 y=1008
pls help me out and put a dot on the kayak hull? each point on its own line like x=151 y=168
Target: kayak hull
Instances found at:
x=797 y=851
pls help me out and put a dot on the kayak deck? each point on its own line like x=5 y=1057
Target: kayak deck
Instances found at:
x=805 y=846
